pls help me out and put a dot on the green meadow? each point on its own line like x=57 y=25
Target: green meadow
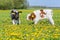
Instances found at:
x=26 y=30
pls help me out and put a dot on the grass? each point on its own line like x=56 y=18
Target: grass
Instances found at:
x=27 y=31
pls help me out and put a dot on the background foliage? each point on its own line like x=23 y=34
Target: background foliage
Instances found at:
x=17 y=4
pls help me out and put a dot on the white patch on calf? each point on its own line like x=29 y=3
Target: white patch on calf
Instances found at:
x=28 y=16
x=13 y=21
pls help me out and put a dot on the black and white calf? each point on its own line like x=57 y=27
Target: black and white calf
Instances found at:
x=15 y=16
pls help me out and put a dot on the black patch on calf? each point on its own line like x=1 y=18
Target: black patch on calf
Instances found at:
x=14 y=15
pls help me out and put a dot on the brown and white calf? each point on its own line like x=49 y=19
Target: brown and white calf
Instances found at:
x=37 y=15
x=15 y=16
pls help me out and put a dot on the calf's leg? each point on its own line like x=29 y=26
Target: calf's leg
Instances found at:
x=17 y=22
x=13 y=21
x=36 y=21
x=51 y=20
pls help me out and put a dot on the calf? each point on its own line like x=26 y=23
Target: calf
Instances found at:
x=15 y=16
x=37 y=15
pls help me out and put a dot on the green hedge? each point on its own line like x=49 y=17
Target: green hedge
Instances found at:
x=11 y=4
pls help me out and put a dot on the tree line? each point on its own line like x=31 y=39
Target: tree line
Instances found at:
x=13 y=4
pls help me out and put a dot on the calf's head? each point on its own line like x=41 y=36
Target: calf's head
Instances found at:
x=32 y=16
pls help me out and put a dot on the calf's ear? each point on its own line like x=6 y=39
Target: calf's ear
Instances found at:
x=19 y=11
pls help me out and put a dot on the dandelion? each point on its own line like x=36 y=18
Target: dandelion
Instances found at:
x=47 y=36
x=35 y=33
x=57 y=29
x=25 y=28
x=40 y=31
x=27 y=34
x=32 y=39
x=10 y=39
x=49 y=31
x=15 y=33
x=43 y=39
x=36 y=29
x=13 y=39
x=0 y=39
x=55 y=35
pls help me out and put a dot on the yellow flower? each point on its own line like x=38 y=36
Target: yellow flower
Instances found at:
x=0 y=39
x=47 y=36
x=32 y=39
x=43 y=39
x=35 y=33
x=25 y=28
x=55 y=35
x=13 y=33
x=13 y=39
x=36 y=29
x=57 y=29
x=49 y=31
x=40 y=31
x=9 y=39
x=27 y=35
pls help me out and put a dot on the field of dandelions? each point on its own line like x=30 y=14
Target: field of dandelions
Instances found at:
x=28 y=31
